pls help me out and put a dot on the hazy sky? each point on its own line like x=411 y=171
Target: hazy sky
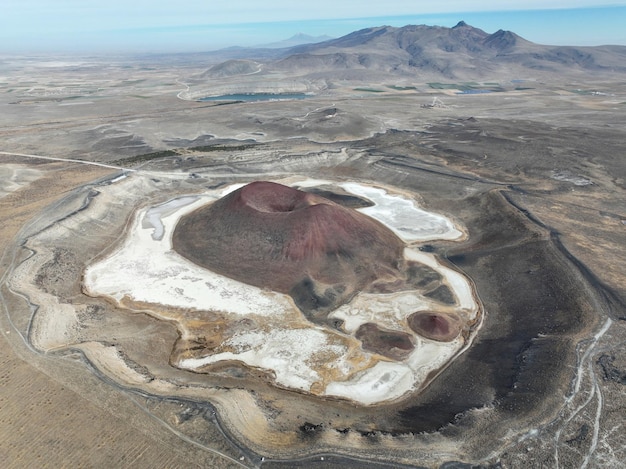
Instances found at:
x=92 y=26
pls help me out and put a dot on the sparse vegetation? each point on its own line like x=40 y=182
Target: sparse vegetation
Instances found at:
x=469 y=87
x=447 y=86
x=210 y=148
x=132 y=160
x=146 y=157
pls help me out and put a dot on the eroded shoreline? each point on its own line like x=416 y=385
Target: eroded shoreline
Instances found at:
x=286 y=432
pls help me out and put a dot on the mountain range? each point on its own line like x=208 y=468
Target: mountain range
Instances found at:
x=434 y=52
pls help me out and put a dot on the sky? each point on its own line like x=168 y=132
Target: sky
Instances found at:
x=137 y=26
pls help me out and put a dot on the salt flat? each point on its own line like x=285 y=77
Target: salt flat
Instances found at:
x=146 y=271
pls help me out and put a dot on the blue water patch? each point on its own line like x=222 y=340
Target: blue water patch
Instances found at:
x=250 y=97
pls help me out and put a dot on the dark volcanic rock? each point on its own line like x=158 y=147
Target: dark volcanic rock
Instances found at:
x=393 y=344
x=302 y=244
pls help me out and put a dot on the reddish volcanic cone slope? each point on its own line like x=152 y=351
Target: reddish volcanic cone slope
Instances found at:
x=273 y=236
x=436 y=326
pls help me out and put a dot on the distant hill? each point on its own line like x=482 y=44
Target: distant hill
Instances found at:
x=297 y=40
x=232 y=67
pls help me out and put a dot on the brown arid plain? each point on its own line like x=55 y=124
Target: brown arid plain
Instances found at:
x=527 y=163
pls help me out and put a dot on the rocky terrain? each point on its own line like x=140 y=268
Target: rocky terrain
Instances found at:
x=525 y=161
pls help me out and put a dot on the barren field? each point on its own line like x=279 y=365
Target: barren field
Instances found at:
x=509 y=206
